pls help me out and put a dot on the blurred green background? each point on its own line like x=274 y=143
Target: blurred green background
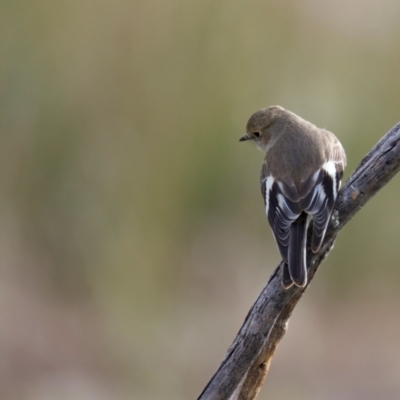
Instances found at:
x=133 y=235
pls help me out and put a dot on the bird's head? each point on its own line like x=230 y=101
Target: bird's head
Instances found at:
x=258 y=127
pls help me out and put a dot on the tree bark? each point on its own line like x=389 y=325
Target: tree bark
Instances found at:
x=242 y=372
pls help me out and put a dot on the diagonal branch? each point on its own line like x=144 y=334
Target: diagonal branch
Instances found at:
x=242 y=373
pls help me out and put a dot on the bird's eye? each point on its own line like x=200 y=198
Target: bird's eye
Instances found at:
x=257 y=134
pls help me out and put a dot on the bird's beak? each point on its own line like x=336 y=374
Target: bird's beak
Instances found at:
x=244 y=138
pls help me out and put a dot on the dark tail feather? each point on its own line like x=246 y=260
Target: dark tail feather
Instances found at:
x=286 y=279
x=297 y=251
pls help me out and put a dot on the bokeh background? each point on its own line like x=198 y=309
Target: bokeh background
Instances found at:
x=133 y=239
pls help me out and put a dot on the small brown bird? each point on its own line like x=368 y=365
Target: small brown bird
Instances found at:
x=300 y=179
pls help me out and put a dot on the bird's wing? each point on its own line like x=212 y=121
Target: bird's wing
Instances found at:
x=319 y=201
x=282 y=207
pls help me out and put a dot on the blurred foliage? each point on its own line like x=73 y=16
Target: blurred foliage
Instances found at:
x=124 y=189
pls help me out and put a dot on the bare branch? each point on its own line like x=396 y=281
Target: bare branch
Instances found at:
x=242 y=373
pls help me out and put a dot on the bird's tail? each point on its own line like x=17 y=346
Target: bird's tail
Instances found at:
x=297 y=264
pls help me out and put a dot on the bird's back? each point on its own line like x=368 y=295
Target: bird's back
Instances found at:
x=297 y=151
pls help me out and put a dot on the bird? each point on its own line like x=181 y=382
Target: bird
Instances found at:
x=300 y=179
